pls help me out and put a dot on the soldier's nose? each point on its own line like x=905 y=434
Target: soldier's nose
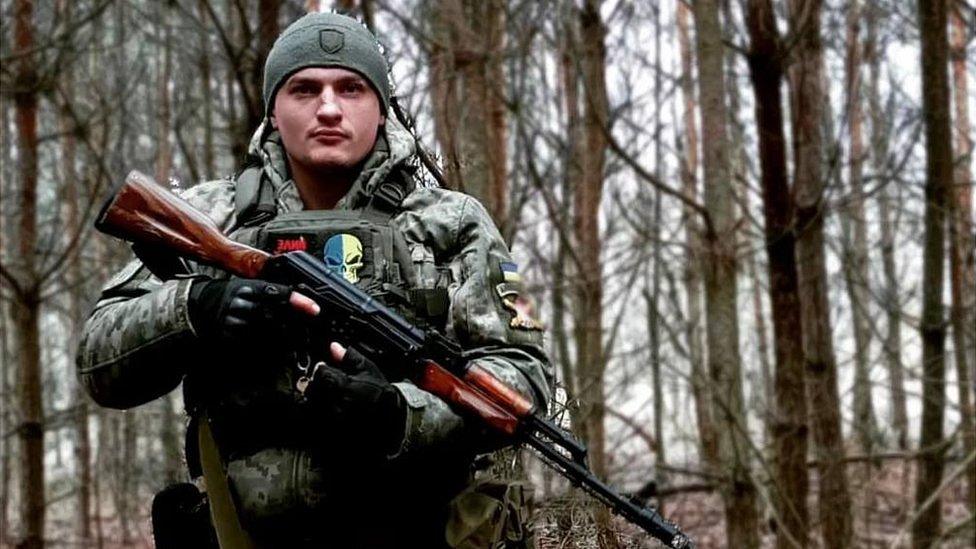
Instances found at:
x=328 y=108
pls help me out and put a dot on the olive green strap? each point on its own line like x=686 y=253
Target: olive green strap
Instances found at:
x=223 y=514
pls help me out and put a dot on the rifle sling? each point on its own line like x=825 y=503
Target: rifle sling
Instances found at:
x=223 y=512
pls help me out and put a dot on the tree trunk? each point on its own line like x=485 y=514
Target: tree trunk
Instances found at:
x=806 y=80
x=26 y=305
x=569 y=87
x=651 y=300
x=468 y=85
x=238 y=134
x=762 y=344
x=164 y=149
x=268 y=30
x=719 y=266
x=959 y=337
x=692 y=266
x=98 y=478
x=79 y=400
x=890 y=299
x=128 y=481
x=444 y=92
x=6 y=423
x=497 y=133
x=7 y=450
x=170 y=439
x=759 y=375
x=247 y=50
x=789 y=421
x=586 y=203
x=82 y=454
x=9 y=249
x=962 y=253
x=855 y=256
x=932 y=328
x=963 y=177
x=209 y=162
x=70 y=183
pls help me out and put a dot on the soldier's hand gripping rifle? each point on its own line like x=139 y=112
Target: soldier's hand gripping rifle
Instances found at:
x=145 y=213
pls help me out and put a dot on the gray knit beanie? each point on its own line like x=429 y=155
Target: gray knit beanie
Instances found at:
x=326 y=40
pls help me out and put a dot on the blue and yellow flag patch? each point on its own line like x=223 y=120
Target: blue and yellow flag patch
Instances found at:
x=510 y=272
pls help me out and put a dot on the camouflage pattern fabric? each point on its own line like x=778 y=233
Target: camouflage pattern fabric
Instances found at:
x=490 y=514
x=138 y=342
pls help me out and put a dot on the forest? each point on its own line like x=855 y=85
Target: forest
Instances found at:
x=747 y=226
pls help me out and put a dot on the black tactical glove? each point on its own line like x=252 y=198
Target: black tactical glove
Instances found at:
x=237 y=309
x=360 y=406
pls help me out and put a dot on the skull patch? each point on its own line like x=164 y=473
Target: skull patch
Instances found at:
x=343 y=255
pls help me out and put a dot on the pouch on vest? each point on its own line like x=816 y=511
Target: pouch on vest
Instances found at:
x=490 y=514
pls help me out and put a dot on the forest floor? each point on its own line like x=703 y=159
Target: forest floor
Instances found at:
x=882 y=495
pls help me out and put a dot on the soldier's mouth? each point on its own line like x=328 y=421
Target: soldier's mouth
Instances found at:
x=328 y=135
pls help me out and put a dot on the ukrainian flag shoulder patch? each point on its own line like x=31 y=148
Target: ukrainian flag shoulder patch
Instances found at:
x=510 y=272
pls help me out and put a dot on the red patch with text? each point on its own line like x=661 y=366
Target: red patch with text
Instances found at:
x=290 y=245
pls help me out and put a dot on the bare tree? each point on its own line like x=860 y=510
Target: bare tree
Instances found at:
x=588 y=191
x=26 y=285
x=807 y=100
x=890 y=293
x=719 y=267
x=468 y=86
x=652 y=298
x=169 y=420
x=70 y=183
x=207 y=98
x=855 y=256
x=932 y=22
x=789 y=416
x=692 y=265
x=7 y=415
x=962 y=272
x=246 y=48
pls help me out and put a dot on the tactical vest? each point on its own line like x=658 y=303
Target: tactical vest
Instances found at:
x=360 y=244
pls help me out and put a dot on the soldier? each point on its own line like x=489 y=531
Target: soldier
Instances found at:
x=353 y=458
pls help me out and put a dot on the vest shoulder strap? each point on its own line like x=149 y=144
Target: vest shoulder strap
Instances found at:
x=389 y=195
x=253 y=198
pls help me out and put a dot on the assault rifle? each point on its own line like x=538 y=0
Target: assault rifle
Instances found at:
x=146 y=214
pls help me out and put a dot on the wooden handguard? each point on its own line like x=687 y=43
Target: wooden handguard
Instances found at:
x=505 y=396
x=143 y=211
x=437 y=380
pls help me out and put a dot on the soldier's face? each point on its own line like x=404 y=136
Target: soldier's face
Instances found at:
x=327 y=117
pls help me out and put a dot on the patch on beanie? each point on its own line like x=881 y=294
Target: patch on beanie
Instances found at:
x=331 y=40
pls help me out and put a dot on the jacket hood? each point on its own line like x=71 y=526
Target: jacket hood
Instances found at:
x=395 y=147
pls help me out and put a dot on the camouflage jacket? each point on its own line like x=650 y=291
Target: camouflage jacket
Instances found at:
x=135 y=343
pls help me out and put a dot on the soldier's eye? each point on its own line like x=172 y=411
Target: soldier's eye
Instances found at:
x=352 y=87
x=303 y=88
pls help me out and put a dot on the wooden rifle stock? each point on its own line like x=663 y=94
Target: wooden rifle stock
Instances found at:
x=143 y=211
